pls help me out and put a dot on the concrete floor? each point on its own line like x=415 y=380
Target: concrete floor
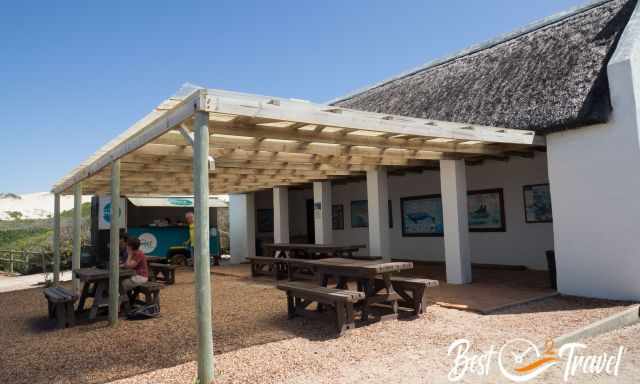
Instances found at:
x=491 y=289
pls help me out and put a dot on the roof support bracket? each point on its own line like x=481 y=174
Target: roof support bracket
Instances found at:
x=188 y=137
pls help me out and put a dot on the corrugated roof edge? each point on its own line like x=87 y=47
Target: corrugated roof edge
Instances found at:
x=536 y=25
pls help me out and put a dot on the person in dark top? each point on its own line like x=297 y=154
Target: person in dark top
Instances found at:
x=123 y=247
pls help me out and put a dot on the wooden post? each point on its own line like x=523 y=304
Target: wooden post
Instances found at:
x=10 y=261
x=77 y=217
x=201 y=258
x=56 y=239
x=114 y=257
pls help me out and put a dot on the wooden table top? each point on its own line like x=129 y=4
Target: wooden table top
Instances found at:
x=320 y=247
x=92 y=274
x=370 y=267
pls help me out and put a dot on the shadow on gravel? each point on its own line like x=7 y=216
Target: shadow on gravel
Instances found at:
x=561 y=303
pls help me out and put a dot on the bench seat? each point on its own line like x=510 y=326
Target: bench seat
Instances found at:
x=301 y=294
x=60 y=303
x=162 y=272
x=268 y=266
x=411 y=291
x=151 y=292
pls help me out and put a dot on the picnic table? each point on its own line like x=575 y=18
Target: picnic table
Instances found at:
x=96 y=284
x=155 y=259
x=373 y=277
x=310 y=251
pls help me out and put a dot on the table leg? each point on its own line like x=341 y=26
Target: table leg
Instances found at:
x=83 y=296
x=342 y=282
x=394 y=302
x=368 y=287
x=324 y=281
x=98 y=298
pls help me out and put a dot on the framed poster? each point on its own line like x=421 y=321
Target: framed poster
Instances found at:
x=390 y=215
x=486 y=211
x=359 y=214
x=422 y=216
x=104 y=217
x=264 y=218
x=537 y=203
x=337 y=216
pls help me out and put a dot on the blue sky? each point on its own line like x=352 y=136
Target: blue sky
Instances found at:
x=74 y=74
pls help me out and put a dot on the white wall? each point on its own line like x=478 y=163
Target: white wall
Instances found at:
x=241 y=226
x=521 y=244
x=595 y=190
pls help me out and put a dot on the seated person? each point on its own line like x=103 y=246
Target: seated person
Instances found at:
x=123 y=248
x=136 y=261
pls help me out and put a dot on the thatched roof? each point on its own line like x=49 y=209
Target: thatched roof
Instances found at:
x=546 y=77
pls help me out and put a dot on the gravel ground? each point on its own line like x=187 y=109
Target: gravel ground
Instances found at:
x=414 y=351
x=245 y=314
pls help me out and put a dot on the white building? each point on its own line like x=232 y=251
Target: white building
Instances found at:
x=433 y=165
x=573 y=78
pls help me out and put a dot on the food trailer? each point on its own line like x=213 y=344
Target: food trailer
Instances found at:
x=158 y=221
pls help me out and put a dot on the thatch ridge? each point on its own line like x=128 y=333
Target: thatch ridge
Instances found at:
x=548 y=76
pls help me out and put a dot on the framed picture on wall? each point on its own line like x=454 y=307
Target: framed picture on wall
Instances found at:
x=390 y=215
x=359 y=214
x=421 y=216
x=264 y=218
x=337 y=216
x=537 y=203
x=486 y=211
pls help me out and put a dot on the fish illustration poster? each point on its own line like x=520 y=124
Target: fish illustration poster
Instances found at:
x=486 y=211
x=422 y=216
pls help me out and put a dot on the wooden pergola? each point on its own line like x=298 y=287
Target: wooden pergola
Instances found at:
x=258 y=142
x=204 y=141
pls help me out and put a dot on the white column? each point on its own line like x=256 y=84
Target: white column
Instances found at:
x=378 y=207
x=242 y=226
x=453 y=181
x=77 y=233
x=201 y=248
x=56 y=239
x=322 y=212
x=280 y=214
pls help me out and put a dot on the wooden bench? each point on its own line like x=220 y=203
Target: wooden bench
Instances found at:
x=299 y=269
x=60 y=303
x=411 y=290
x=268 y=266
x=301 y=294
x=151 y=292
x=168 y=272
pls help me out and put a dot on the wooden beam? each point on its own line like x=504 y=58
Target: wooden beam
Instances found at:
x=277 y=109
x=337 y=138
x=147 y=129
